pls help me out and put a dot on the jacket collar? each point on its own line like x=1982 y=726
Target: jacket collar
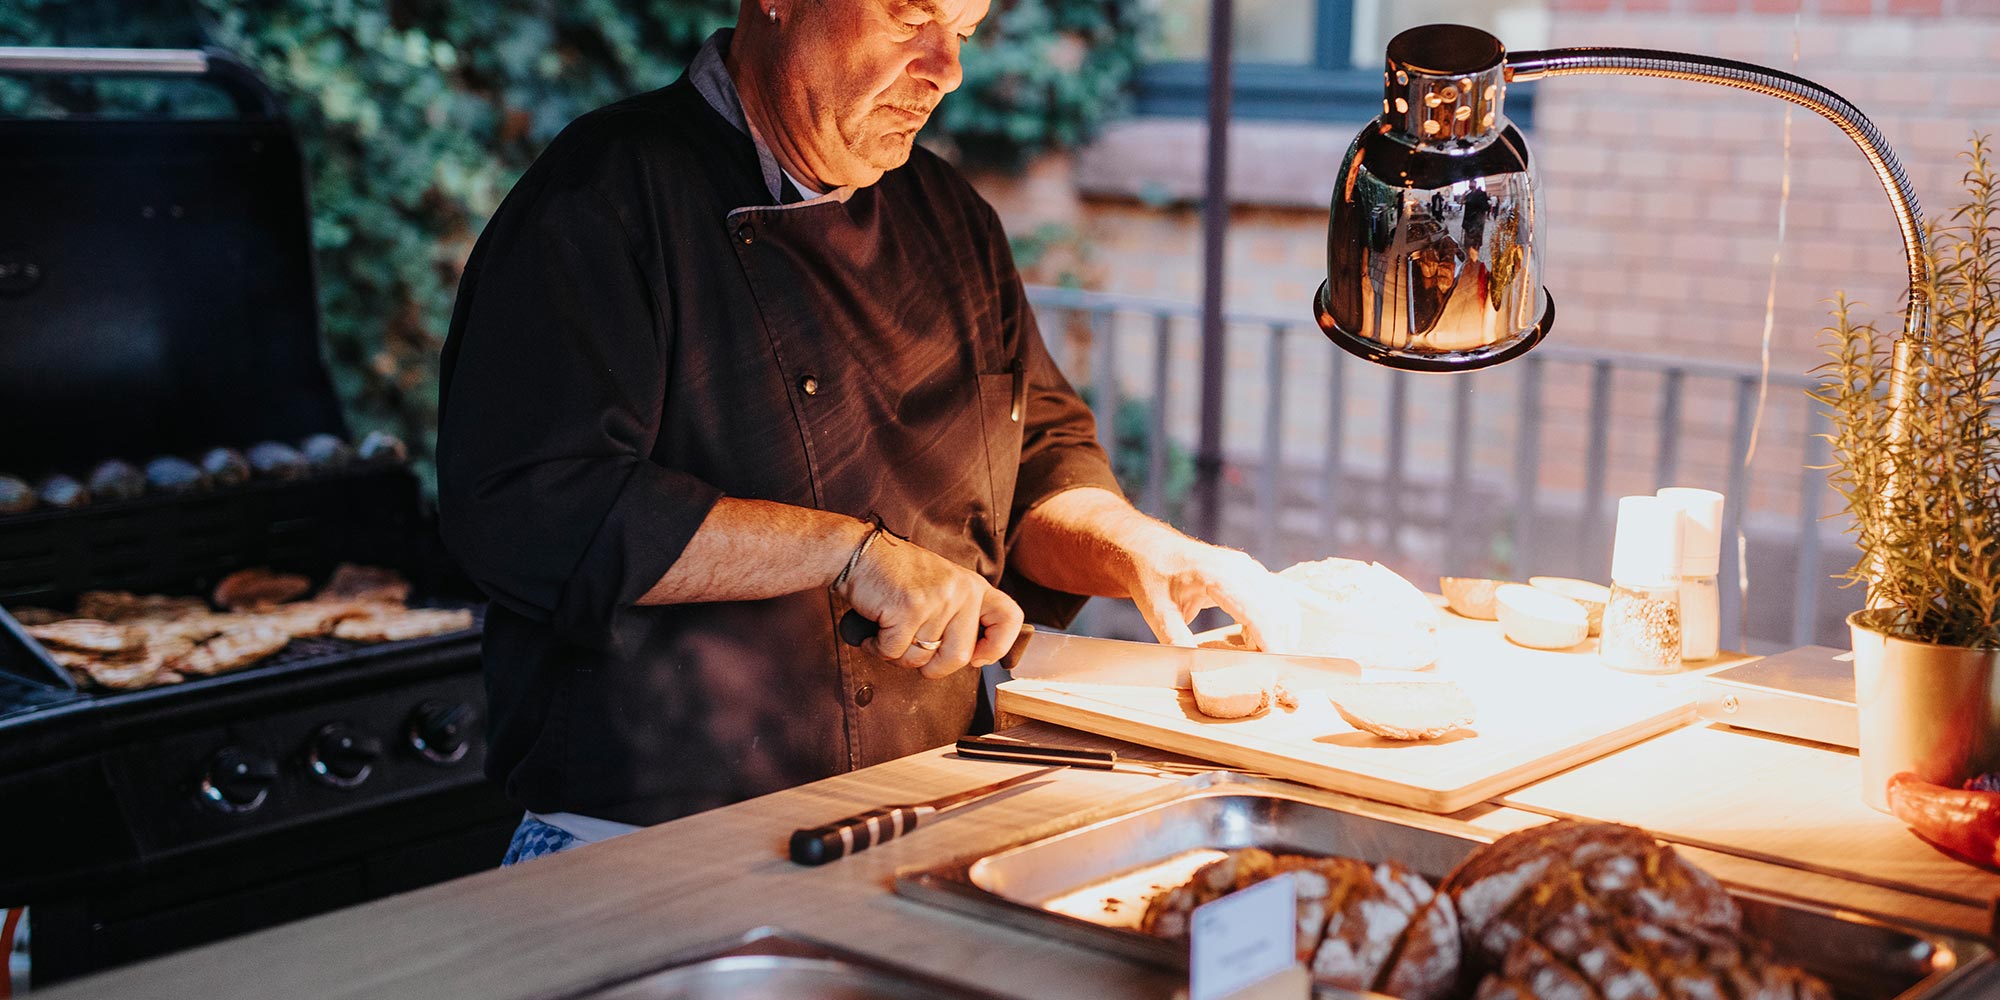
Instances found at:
x=710 y=75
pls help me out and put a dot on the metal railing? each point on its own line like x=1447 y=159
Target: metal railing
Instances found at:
x=1375 y=483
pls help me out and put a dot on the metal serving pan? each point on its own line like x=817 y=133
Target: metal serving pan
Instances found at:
x=1088 y=880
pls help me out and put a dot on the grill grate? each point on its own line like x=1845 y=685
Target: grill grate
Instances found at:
x=185 y=545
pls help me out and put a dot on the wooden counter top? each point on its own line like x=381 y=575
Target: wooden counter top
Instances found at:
x=611 y=910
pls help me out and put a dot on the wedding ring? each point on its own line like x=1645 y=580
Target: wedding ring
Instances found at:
x=930 y=644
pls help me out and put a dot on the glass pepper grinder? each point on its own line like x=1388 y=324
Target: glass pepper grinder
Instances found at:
x=1701 y=559
x=1642 y=619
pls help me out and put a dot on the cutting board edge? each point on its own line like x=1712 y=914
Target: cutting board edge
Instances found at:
x=1048 y=706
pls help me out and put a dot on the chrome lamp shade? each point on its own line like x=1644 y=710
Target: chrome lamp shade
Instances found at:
x=1433 y=261
x=1433 y=248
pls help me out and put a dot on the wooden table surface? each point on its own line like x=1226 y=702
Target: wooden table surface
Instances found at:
x=554 y=926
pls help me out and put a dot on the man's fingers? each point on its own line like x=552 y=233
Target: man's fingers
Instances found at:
x=1164 y=615
x=959 y=637
x=1001 y=619
x=1270 y=620
x=893 y=640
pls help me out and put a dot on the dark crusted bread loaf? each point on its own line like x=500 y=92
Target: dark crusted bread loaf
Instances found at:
x=1360 y=927
x=1598 y=911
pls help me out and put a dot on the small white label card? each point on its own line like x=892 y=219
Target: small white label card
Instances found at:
x=1242 y=939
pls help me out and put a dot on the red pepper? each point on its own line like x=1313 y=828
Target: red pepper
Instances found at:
x=1964 y=823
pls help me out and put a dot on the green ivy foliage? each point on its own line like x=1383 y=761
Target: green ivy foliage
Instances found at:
x=418 y=116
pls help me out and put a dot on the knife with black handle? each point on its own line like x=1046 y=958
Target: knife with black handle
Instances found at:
x=859 y=832
x=989 y=748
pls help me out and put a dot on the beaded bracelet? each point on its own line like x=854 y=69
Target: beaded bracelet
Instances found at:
x=855 y=559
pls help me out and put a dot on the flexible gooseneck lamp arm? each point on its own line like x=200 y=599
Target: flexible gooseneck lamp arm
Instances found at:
x=1534 y=65
x=1434 y=232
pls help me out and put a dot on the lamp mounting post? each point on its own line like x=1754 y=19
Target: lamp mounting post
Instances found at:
x=1214 y=233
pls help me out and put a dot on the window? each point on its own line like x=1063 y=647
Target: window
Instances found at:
x=1312 y=60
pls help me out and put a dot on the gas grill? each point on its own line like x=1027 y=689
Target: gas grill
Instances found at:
x=157 y=297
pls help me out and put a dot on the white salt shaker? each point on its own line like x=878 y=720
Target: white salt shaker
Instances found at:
x=1642 y=618
x=1701 y=559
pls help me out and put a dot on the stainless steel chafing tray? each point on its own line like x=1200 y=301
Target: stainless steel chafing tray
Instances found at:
x=1088 y=880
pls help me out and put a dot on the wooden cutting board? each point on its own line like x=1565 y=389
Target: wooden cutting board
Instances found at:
x=1768 y=798
x=1538 y=713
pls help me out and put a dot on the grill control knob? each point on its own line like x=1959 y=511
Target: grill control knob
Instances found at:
x=341 y=756
x=236 y=780
x=438 y=730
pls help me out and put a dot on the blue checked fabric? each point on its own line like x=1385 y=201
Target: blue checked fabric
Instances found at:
x=534 y=838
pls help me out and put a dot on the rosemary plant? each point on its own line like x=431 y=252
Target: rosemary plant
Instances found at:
x=1922 y=486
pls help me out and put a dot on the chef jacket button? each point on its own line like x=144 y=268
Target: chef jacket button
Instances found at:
x=809 y=385
x=863 y=695
x=746 y=233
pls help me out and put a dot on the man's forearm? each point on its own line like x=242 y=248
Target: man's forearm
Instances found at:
x=1090 y=541
x=748 y=550
x=1082 y=541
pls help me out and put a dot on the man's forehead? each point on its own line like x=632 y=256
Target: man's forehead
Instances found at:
x=957 y=13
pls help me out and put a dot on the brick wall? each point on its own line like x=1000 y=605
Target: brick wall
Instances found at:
x=1663 y=197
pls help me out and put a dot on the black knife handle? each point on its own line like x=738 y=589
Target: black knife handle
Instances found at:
x=986 y=748
x=859 y=832
x=856 y=629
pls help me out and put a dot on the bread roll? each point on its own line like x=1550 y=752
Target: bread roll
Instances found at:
x=1233 y=692
x=1362 y=612
x=1541 y=619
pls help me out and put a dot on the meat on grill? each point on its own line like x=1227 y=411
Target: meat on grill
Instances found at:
x=86 y=635
x=27 y=616
x=365 y=583
x=307 y=619
x=121 y=641
x=397 y=626
x=122 y=606
x=249 y=588
x=235 y=648
x=126 y=674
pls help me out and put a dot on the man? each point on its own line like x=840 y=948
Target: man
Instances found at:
x=733 y=358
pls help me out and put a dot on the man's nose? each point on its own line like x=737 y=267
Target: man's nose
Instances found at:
x=937 y=63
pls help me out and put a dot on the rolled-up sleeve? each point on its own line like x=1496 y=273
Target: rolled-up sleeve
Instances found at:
x=554 y=383
x=1059 y=445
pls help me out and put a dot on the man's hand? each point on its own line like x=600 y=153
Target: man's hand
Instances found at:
x=1172 y=580
x=1091 y=541
x=920 y=599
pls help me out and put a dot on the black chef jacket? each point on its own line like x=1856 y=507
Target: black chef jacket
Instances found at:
x=642 y=330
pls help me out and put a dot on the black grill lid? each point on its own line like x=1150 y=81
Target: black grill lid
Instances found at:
x=157 y=292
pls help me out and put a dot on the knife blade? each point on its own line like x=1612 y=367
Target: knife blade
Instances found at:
x=1042 y=654
x=840 y=838
x=1029 y=752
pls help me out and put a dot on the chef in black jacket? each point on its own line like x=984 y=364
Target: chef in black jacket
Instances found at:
x=715 y=338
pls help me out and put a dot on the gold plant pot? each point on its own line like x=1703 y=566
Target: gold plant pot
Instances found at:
x=1932 y=710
